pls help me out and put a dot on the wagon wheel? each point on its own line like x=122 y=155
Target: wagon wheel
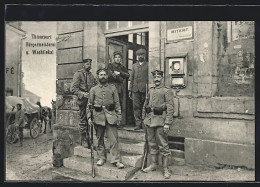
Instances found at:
x=11 y=136
x=34 y=128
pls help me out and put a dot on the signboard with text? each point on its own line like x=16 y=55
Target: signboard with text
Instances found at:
x=179 y=33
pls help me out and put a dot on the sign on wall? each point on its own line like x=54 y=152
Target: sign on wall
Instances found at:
x=179 y=33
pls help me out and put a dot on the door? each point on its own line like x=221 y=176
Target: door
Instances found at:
x=112 y=46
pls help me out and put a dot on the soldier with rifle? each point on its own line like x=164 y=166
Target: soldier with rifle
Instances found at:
x=83 y=81
x=103 y=98
x=159 y=116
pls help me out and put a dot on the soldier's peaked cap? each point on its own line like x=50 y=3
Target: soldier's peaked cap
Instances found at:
x=19 y=103
x=158 y=72
x=102 y=69
x=117 y=53
x=141 y=51
x=87 y=60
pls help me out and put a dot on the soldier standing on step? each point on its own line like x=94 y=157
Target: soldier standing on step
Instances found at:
x=138 y=83
x=83 y=81
x=104 y=100
x=159 y=111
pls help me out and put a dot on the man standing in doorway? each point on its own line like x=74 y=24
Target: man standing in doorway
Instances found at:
x=117 y=73
x=159 y=111
x=104 y=102
x=138 y=84
x=83 y=81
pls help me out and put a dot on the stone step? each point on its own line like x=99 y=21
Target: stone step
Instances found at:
x=126 y=158
x=66 y=174
x=131 y=147
x=129 y=133
x=107 y=170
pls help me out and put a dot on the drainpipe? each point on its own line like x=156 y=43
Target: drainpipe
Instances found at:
x=19 y=77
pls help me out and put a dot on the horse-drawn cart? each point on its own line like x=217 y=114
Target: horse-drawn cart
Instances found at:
x=31 y=117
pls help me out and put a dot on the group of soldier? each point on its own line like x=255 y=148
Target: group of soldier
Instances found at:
x=100 y=104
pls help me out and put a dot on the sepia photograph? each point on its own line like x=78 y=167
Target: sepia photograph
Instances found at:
x=129 y=101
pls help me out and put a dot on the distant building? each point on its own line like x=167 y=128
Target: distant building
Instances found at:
x=13 y=77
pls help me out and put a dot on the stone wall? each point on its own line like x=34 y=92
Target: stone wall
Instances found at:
x=76 y=41
x=216 y=129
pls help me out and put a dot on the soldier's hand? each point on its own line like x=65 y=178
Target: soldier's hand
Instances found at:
x=116 y=72
x=166 y=128
x=86 y=94
x=90 y=122
x=130 y=94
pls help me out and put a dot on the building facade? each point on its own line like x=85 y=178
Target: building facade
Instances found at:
x=13 y=70
x=209 y=66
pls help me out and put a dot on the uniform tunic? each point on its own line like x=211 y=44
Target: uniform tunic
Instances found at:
x=82 y=83
x=159 y=97
x=118 y=80
x=105 y=120
x=19 y=119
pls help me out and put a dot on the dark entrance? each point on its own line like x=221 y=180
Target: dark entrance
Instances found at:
x=128 y=45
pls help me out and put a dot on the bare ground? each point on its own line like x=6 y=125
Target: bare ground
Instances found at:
x=32 y=162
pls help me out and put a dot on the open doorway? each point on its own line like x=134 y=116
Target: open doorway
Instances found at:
x=127 y=45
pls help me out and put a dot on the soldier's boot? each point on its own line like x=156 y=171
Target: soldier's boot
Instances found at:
x=166 y=171
x=154 y=164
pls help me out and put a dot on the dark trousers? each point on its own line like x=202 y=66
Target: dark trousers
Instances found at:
x=138 y=103
x=157 y=140
x=112 y=136
x=20 y=133
x=83 y=124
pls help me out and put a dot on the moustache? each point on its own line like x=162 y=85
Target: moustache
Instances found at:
x=103 y=79
x=156 y=81
x=141 y=59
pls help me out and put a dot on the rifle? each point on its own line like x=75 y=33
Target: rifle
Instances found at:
x=91 y=141
x=146 y=146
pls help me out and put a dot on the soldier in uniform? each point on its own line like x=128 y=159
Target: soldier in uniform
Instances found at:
x=117 y=73
x=19 y=122
x=83 y=81
x=104 y=101
x=138 y=83
x=159 y=111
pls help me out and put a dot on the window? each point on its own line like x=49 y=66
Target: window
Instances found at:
x=130 y=38
x=140 y=38
x=123 y=24
x=130 y=59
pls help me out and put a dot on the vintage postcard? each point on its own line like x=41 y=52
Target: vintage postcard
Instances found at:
x=130 y=100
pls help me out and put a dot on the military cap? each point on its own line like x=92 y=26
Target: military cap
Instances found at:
x=87 y=60
x=102 y=69
x=140 y=51
x=158 y=72
x=117 y=53
x=19 y=104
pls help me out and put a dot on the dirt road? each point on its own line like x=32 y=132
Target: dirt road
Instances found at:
x=32 y=161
